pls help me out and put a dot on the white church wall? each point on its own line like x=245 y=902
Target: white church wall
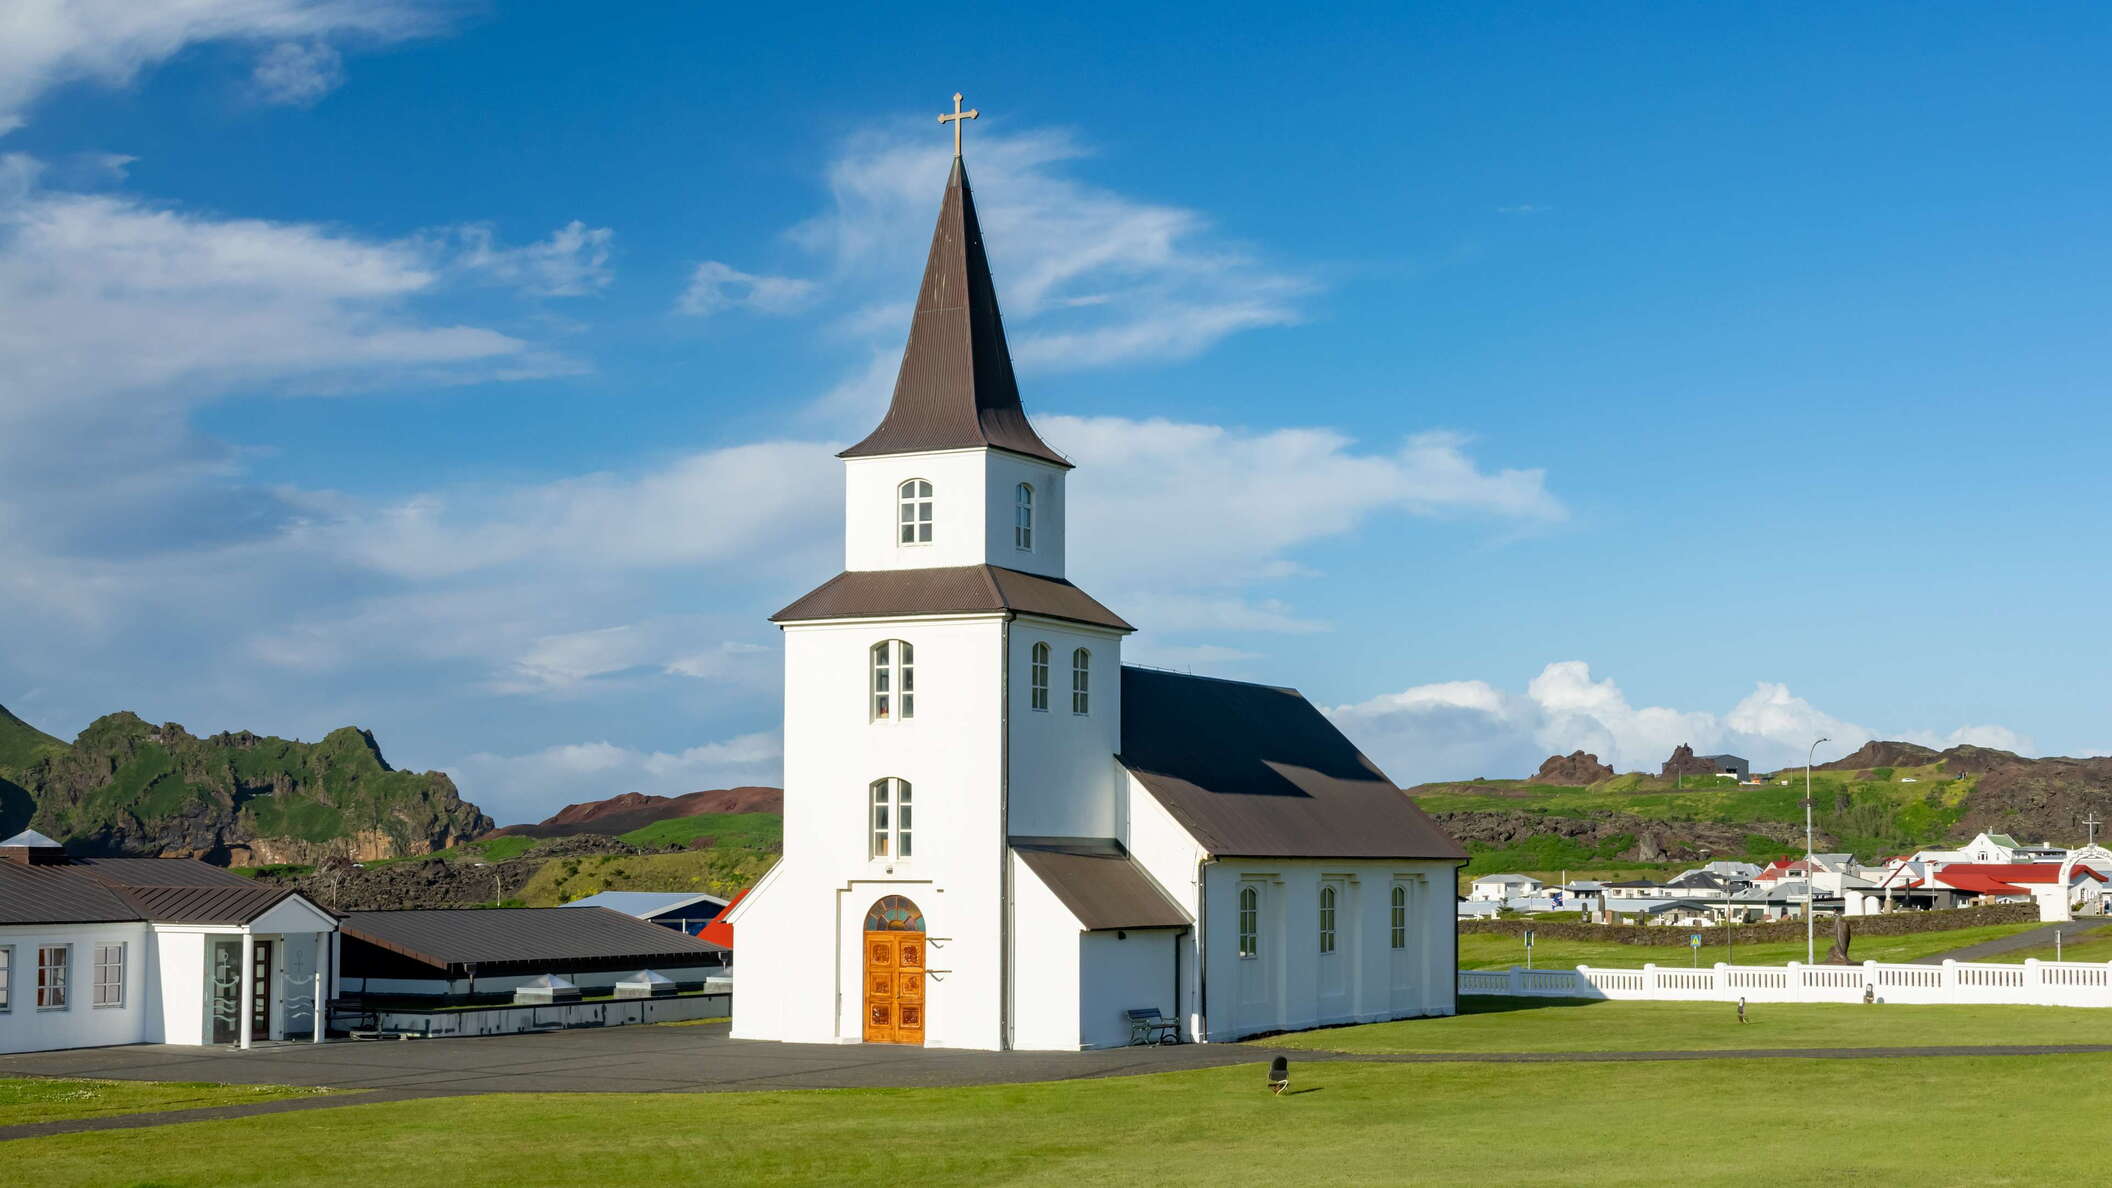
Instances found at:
x=1064 y=778
x=25 y=1027
x=1169 y=854
x=1045 y=969
x=1121 y=970
x=1002 y=475
x=960 y=508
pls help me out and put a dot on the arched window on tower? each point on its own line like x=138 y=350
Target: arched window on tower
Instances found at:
x=1327 y=919
x=1023 y=518
x=894 y=680
x=913 y=499
x=1038 y=678
x=1081 y=681
x=890 y=818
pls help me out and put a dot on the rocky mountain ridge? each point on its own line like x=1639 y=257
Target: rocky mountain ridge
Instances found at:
x=633 y=810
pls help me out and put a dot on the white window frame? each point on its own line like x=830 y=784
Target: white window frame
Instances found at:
x=913 y=513
x=1249 y=922
x=1397 y=921
x=1038 y=677
x=7 y=978
x=64 y=984
x=1023 y=517
x=104 y=983
x=1330 y=901
x=888 y=820
x=891 y=681
x=1081 y=681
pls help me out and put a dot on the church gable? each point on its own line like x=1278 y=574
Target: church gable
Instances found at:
x=1257 y=771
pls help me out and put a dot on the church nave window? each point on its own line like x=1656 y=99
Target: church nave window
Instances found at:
x=894 y=684
x=1400 y=916
x=1327 y=919
x=1081 y=681
x=1038 y=678
x=913 y=498
x=1249 y=921
x=890 y=818
x=1023 y=518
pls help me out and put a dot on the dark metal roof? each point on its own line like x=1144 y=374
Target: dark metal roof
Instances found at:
x=159 y=872
x=948 y=590
x=58 y=895
x=956 y=388
x=1100 y=883
x=217 y=904
x=442 y=937
x=1255 y=771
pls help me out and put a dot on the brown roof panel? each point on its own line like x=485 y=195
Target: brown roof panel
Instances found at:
x=956 y=388
x=948 y=590
x=159 y=872
x=58 y=895
x=1256 y=771
x=216 y=904
x=442 y=937
x=1100 y=883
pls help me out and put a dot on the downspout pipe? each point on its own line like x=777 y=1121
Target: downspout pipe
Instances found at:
x=1177 y=1011
x=1202 y=950
x=1004 y=834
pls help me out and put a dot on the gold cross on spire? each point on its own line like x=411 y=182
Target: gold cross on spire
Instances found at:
x=955 y=119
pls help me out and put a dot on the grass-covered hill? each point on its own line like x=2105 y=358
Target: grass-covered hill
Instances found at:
x=1886 y=798
x=126 y=786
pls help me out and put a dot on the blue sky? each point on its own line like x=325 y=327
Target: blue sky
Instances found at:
x=1511 y=380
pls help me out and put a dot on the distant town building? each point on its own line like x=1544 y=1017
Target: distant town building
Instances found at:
x=1684 y=762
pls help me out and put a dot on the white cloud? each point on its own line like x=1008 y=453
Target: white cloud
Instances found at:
x=1463 y=729
x=296 y=73
x=518 y=788
x=716 y=288
x=572 y=262
x=2001 y=738
x=51 y=42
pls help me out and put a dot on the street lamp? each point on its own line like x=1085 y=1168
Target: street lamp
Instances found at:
x=1811 y=952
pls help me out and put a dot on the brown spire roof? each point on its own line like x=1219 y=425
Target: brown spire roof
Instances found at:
x=956 y=389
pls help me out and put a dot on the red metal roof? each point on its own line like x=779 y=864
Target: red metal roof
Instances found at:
x=720 y=930
x=2003 y=878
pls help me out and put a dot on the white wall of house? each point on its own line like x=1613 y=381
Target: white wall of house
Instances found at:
x=1045 y=969
x=26 y=1027
x=179 y=978
x=1120 y=971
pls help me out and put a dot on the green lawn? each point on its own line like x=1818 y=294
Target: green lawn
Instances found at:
x=1481 y=950
x=2087 y=942
x=1343 y=1123
x=38 y=1099
x=1498 y=1024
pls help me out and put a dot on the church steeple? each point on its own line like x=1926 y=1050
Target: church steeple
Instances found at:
x=956 y=389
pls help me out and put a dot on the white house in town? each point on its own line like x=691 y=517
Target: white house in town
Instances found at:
x=996 y=835
x=1500 y=887
x=98 y=951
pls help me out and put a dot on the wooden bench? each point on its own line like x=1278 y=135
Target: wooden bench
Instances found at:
x=1148 y=1026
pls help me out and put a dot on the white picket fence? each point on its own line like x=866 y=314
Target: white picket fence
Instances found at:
x=2033 y=983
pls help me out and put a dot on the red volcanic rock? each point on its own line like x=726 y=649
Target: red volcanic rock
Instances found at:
x=635 y=810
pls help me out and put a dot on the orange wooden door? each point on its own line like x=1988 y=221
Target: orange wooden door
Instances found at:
x=894 y=987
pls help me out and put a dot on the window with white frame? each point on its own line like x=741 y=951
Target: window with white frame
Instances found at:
x=1400 y=916
x=1249 y=921
x=7 y=978
x=891 y=818
x=1023 y=518
x=109 y=988
x=1038 y=678
x=894 y=680
x=1327 y=919
x=913 y=500
x=54 y=963
x=1081 y=681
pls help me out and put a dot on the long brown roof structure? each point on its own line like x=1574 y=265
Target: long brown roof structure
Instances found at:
x=456 y=937
x=1098 y=882
x=196 y=904
x=114 y=890
x=59 y=895
x=1257 y=772
x=956 y=389
x=948 y=590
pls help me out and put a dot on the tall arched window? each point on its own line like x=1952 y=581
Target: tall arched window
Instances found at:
x=913 y=499
x=1249 y=921
x=1023 y=518
x=1327 y=919
x=1400 y=916
x=894 y=683
x=1081 y=681
x=890 y=818
x=1038 y=678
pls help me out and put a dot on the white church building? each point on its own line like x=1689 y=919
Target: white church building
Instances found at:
x=996 y=835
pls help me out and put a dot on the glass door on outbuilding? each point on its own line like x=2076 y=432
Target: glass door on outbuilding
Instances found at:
x=225 y=991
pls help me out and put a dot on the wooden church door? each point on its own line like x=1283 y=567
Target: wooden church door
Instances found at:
x=894 y=973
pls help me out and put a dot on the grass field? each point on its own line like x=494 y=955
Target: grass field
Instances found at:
x=722 y=871
x=1495 y=1024
x=1479 y=950
x=38 y=1099
x=2087 y=942
x=1342 y=1123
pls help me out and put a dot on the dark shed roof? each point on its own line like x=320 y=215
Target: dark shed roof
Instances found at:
x=1256 y=771
x=951 y=589
x=956 y=387
x=159 y=872
x=1100 y=883
x=442 y=937
x=206 y=905
x=163 y=890
x=58 y=895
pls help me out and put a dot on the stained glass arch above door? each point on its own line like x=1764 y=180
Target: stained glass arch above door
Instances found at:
x=894 y=913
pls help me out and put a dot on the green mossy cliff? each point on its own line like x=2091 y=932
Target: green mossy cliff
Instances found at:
x=126 y=786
